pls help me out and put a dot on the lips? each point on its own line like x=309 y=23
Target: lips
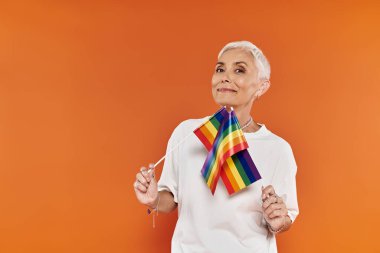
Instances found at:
x=225 y=90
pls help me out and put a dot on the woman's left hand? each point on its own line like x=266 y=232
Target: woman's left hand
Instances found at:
x=274 y=208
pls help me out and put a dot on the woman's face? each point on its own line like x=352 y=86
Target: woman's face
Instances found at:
x=235 y=80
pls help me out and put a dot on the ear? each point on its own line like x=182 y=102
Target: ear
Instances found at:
x=264 y=86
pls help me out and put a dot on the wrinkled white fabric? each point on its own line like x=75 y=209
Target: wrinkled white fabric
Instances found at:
x=223 y=223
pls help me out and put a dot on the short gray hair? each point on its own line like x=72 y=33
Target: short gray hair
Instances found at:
x=261 y=61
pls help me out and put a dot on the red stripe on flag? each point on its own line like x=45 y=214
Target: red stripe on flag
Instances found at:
x=226 y=181
x=203 y=139
x=238 y=147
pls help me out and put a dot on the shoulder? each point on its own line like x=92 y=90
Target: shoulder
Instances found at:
x=281 y=142
x=285 y=151
x=277 y=143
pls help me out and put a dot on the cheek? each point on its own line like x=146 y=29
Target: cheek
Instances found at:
x=214 y=80
x=246 y=86
x=242 y=82
x=214 y=83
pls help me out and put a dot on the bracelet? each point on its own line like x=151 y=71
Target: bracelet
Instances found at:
x=155 y=209
x=280 y=229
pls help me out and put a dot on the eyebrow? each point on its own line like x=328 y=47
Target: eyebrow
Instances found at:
x=238 y=62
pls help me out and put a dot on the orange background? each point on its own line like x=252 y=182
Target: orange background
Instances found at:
x=91 y=90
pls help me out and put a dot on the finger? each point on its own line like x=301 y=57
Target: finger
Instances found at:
x=139 y=187
x=151 y=172
x=268 y=191
x=142 y=188
x=140 y=178
x=273 y=207
x=276 y=213
x=268 y=201
x=144 y=172
x=277 y=198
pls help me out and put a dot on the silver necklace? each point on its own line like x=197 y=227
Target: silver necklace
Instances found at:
x=247 y=124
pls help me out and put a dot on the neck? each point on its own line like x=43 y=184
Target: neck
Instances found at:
x=243 y=113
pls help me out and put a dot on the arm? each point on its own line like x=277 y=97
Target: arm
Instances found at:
x=166 y=203
x=280 y=205
x=147 y=193
x=275 y=211
x=162 y=194
x=288 y=224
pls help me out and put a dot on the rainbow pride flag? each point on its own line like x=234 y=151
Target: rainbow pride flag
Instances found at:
x=228 y=156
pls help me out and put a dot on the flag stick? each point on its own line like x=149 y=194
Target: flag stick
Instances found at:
x=171 y=150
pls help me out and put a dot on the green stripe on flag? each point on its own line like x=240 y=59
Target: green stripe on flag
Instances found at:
x=240 y=168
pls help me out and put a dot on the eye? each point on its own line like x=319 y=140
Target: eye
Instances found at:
x=241 y=70
x=219 y=70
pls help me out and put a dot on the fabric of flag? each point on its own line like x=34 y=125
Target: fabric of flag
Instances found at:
x=227 y=156
x=208 y=130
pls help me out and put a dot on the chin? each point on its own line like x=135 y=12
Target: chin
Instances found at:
x=225 y=102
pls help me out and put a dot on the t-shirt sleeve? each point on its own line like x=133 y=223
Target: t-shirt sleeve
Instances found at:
x=284 y=181
x=169 y=176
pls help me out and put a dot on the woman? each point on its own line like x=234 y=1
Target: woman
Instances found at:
x=248 y=220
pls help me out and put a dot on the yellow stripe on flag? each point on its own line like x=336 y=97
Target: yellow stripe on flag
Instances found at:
x=235 y=173
x=212 y=129
x=234 y=136
x=206 y=132
x=231 y=178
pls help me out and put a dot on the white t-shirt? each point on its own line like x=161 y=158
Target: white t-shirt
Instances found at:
x=224 y=223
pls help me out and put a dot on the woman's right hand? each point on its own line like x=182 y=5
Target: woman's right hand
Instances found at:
x=146 y=187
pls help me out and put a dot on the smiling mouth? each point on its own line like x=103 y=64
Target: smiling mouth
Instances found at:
x=226 y=90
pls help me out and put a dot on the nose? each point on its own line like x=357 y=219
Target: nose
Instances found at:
x=225 y=78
